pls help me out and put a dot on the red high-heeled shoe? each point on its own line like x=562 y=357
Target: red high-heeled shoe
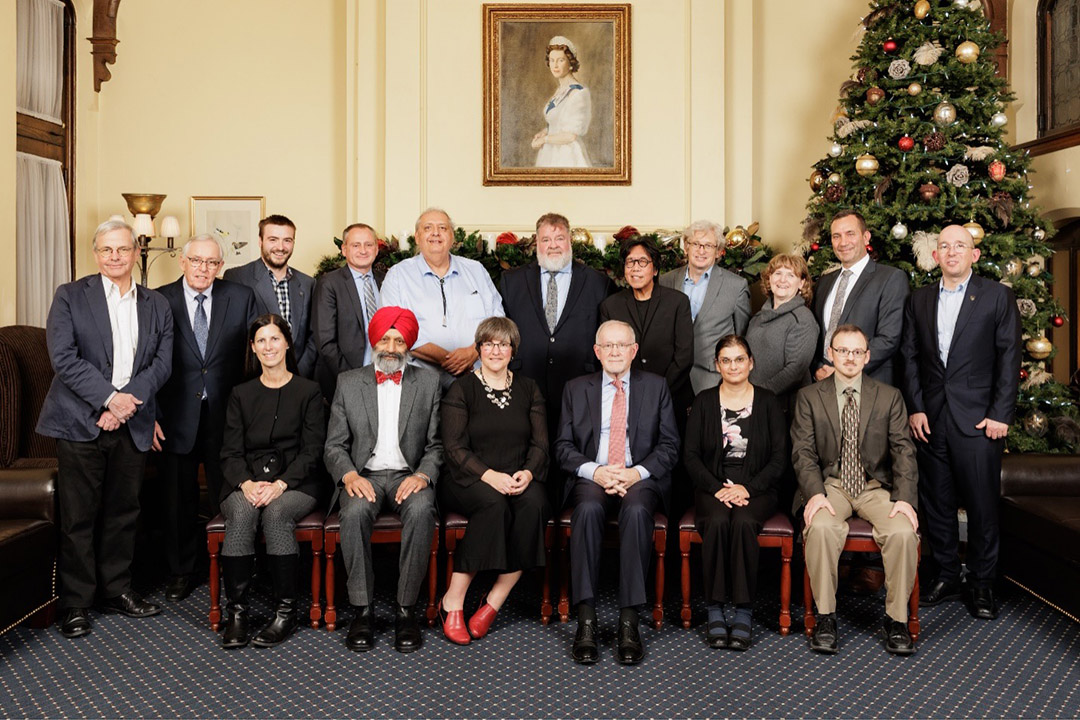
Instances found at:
x=481 y=621
x=453 y=626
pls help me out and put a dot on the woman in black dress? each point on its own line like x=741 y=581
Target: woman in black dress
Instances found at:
x=494 y=430
x=735 y=452
x=270 y=455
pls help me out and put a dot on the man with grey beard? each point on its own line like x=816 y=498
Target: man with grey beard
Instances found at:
x=384 y=466
x=555 y=302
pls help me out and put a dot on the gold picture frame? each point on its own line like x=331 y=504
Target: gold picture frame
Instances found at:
x=551 y=117
x=233 y=220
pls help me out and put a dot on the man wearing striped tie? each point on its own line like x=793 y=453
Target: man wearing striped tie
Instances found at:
x=853 y=455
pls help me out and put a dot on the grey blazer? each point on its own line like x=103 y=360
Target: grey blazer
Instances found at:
x=301 y=290
x=783 y=341
x=354 y=423
x=338 y=326
x=726 y=310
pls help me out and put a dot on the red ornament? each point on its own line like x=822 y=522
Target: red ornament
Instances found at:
x=869 y=248
x=1023 y=374
x=997 y=171
x=905 y=143
x=814 y=247
x=626 y=232
x=890 y=46
x=506 y=238
x=1057 y=321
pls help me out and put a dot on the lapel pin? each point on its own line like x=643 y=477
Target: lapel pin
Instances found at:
x=971 y=298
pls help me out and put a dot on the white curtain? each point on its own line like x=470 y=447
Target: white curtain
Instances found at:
x=39 y=59
x=42 y=241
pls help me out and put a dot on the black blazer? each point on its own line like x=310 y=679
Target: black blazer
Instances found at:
x=766 y=444
x=665 y=338
x=231 y=314
x=876 y=305
x=984 y=359
x=553 y=358
x=654 y=437
x=338 y=326
x=301 y=289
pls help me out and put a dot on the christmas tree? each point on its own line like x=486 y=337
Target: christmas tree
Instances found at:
x=919 y=144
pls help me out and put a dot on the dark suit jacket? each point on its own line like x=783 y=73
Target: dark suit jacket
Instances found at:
x=984 y=358
x=654 y=437
x=81 y=349
x=338 y=326
x=231 y=314
x=553 y=358
x=301 y=289
x=885 y=446
x=665 y=338
x=876 y=305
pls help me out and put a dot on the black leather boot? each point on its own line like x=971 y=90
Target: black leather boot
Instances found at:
x=237 y=572
x=283 y=572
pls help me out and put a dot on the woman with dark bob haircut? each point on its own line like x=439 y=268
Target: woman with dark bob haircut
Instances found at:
x=275 y=428
x=735 y=452
x=495 y=439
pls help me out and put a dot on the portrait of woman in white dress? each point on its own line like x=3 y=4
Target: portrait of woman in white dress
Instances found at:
x=567 y=113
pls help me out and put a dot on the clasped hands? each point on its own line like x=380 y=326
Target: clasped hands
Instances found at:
x=616 y=479
x=356 y=484
x=733 y=495
x=460 y=360
x=120 y=409
x=262 y=493
x=508 y=484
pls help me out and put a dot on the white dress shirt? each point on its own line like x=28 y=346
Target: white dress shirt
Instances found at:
x=124 y=323
x=607 y=399
x=192 y=304
x=562 y=282
x=856 y=271
x=387 y=453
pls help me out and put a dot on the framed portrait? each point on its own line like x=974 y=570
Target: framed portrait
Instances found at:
x=556 y=94
x=234 y=221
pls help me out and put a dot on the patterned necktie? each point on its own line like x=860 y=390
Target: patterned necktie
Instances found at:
x=369 y=300
x=551 y=307
x=852 y=476
x=616 y=454
x=202 y=328
x=837 y=305
x=381 y=377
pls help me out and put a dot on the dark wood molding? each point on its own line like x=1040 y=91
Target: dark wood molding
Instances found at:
x=104 y=41
x=997 y=12
x=1052 y=142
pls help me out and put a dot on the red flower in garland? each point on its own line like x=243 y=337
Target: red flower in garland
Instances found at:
x=627 y=232
x=507 y=238
x=383 y=245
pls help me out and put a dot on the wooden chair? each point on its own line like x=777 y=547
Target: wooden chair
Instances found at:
x=387 y=530
x=309 y=529
x=777 y=532
x=455 y=526
x=861 y=539
x=611 y=539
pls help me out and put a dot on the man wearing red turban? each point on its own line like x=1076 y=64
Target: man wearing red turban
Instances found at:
x=400 y=319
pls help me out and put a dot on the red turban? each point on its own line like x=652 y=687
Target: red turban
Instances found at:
x=396 y=318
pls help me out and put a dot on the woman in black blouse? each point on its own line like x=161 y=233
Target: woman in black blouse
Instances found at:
x=494 y=432
x=274 y=434
x=735 y=453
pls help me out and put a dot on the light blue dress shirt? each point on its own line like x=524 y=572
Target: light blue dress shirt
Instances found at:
x=358 y=278
x=607 y=398
x=696 y=291
x=191 y=303
x=948 y=310
x=562 y=281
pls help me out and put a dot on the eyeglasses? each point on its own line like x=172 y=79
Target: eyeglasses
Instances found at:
x=695 y=245
x=951 y=247
x=123 y=252
x=848 y=352
x=727 y=362
x=612 y=347
x=203 y=262
x=489 y=346
x=638 y=262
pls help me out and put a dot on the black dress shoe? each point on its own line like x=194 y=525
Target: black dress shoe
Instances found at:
x=629 y=650
x=179 y=587
x=75 y=623
x=982 y=604
x=585 y=650
x=407 y=637
x=130 y=604
x=897 y=638
x=940 y=592
x=717 y=635
x=361 y=635
x=280 y=628
x=823 y=639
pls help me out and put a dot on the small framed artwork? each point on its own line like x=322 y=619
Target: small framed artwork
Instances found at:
x=556 y=94
x=234 y=221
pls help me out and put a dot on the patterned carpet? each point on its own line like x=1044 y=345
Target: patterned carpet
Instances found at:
x=1026 y=664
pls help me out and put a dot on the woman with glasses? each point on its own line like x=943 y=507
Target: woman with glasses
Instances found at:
x=661 y=320
x=735 y=452
x=495 y=439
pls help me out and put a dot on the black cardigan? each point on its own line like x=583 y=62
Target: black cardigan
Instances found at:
x=766 y=449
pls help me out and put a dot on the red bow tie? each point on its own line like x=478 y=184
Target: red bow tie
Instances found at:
x=381 y=377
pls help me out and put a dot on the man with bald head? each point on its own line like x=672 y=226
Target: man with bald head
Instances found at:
x=961 y=356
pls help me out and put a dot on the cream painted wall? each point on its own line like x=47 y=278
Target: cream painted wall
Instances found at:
x=7 y=163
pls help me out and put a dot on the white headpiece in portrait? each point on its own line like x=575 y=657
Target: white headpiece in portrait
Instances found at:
x=560 y=40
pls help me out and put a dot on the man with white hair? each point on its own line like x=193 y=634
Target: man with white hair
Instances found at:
x=211 y=318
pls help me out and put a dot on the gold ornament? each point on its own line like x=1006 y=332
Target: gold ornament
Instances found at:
x=1039 y=348
x=834 y=178
x=817 y=180
x=1036 y=423
x=581 y=235
x=1034 y=269
x=914 y=89
x=922 y=9
x=737 y=237
x=1013 y=267
x=875 y=95
x=976 y=230
x=866 y=165
x=945 y=114
x=967 y=52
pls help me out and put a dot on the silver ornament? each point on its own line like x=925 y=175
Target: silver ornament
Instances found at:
x=899 y=231
x=960 y=3
x=836 y=150
x=999 y=119
x=1040 y=234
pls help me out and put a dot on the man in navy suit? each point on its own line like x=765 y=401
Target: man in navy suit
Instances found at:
x=211 y=320
x=556 y=305
x=618 y=443
x=280 y=288
x=110 y=342
x=961 y=356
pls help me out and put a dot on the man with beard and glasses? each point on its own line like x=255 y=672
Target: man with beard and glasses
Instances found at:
x=383 y=465
x=280 y=289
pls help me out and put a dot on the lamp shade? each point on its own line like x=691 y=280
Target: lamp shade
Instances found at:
x=170 y=227
x=144 y=226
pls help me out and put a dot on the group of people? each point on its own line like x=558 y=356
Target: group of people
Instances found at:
x=429 y=390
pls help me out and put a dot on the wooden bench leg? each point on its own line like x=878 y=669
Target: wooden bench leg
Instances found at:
x=451 y=545
x=913 y=603
x=786 y=551
x=316 y=584
x=564 y=573
x=433 y=579
x=331 y=604
x=684 y=548
x=213 y=547
x=808 y=601
x=660 y=543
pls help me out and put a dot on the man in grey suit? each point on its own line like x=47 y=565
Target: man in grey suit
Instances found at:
x=853 y=455
x=345 y=301
x=863 y=293
x=719 y=299
x=110 y=342
x=384 y=423
x=281 y=289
